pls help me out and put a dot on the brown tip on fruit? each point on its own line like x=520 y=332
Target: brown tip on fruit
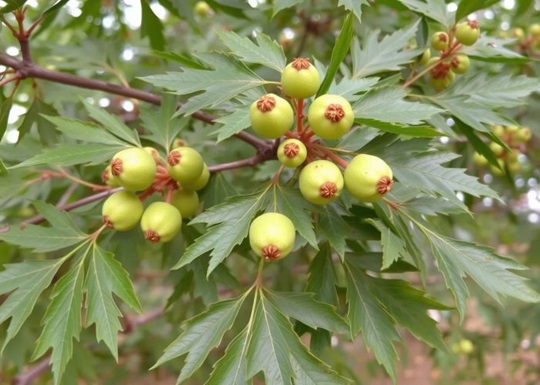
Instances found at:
x=443 y=37
x=301 y=63
x=291 y=150
x=334 y=113
x=152 y=236
x=271 y=253
x=105 y=176
x=440 y=70
x=174 y=158
x=266 y=103
x=116 y=166
x=107 y=221
x=328 y=190
x=473 y=24
x=384 y=185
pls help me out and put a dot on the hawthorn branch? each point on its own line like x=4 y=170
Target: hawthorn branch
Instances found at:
x=28 y=69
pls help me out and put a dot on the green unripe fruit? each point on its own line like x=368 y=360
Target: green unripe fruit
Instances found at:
x=518 y=33
x=152 y=151
x=523 y=135
x=512 y=129
x=479 y=159
x=321 y=182
x=498 y=130
x=108 y=178
x=330 y=116
x=271 y=236
x=496 y=148
x=122 y=210
x=201 y=182
x=186 y=201
x=460 y=63
x=202 y=9
x=185 y=165
x=134 y=168
x=368 y=178
x=271 y=116
x=443 y=82
x=467 y=32
x=496 y=170
x=179 y=143
x=534 y=30
x=439 y=41
x=425 y=57
x=300 y=79
x=292 y=152
x=160 y=222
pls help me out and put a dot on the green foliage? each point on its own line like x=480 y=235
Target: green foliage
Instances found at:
x=385 y=272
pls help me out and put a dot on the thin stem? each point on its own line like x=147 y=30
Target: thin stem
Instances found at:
x=249 y=162
x=259 y=279
x=93 y=186
x=300 y=116
x=9 y=79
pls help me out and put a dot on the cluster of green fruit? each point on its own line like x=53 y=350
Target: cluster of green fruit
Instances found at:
x=321 y=181
x=442 y=68
x=528 y=41
x=178 y=177
x=515 y=138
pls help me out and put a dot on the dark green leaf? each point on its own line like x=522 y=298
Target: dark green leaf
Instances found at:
x=201 y=334
x=62 y=320
x=106 y=276
x=84 y=131
x=113 y=124
x=233 y=123
x=12 y=5
x=26 y=281
x=5 y=107
x=421 y=131
x=306 y=309
x=466 y=7
x=393 y=247
x=283 y=4
x=339 y=52
x=151 y=27
x=334 y=228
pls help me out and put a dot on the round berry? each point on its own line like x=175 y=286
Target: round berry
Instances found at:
x=368 y=178
x=185 y=165
x=186 y=201
x=152 y=151
x=108 y=178
x=160 y=222
x=441 y=82
x=179 y=143
x=201 y=182
x=534 y=30
x=479 y=159
x=122 y=210
x=300 y=79
x=498 y=130
x=271 y=116
x=460 y=63
x=522 y=135
x=321 y=182
x=496 y=148
x=271 y=236
x=202 y=9
x=467 y=32
x=292 y=152
x=330 y=116
x=424 y=58
x=134 y=168
x=439 y=41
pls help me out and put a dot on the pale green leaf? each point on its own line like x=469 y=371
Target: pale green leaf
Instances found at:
x=466 y=7
x=228 y=79
x=306 y=309
x=233 y=123
x=283 y=4
x=420 y=131
x=434 y=9
x=393 y=247
x=106 y=276
x=72 y=154
x=266 y=52
x=355 y=6
x=12 y=5
x=62 y=320
x=388 y=54
x=201 y=334
x=456 y=259
x=113 y=124
x=232 y=367
x=387 y=104
x=84 y=131
x=26 y=281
